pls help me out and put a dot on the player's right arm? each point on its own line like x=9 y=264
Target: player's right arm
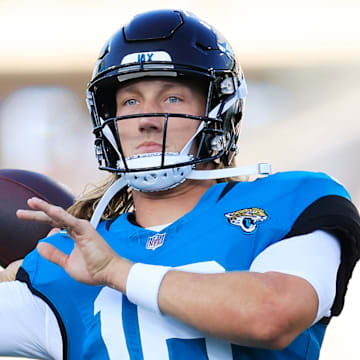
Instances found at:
x=28 y=327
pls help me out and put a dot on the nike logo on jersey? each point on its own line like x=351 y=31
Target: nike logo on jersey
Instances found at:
x=247 y=219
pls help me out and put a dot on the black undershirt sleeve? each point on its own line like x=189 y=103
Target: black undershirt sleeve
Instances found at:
x=336 y=215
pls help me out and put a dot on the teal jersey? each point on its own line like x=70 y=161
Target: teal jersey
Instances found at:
x=226 y=230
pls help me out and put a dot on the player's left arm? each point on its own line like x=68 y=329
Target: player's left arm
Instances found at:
x=248 y=308
x=293 y=283
x=290 y=286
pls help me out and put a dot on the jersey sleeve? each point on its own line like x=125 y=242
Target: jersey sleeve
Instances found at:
x=322 y=253
x=70 y=301
x=40 y=276
x=331 y=211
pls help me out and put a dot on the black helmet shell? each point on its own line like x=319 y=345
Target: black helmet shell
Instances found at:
x=170 y=43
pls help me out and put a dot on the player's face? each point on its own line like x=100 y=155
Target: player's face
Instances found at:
x=144 y=134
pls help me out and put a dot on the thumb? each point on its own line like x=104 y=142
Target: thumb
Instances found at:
x=51 y=253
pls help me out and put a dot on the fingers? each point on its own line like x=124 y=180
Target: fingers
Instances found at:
x=60 y=217
x=33 y=216
x=52 y=254
x=53 y=215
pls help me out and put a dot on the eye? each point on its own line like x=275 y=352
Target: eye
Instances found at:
x=173 y=99
x=131 y=102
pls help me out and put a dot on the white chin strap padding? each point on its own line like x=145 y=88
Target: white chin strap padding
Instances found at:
x=157 y=180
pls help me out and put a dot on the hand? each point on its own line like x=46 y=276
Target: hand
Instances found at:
x=92 y=261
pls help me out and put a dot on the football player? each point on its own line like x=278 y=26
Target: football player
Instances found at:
x=173 y=259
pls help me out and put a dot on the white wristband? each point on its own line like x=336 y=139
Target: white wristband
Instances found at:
x=143 y=284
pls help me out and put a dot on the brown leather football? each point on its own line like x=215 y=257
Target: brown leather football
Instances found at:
x=19 y=237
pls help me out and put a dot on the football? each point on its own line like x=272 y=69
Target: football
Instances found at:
x=19 y=237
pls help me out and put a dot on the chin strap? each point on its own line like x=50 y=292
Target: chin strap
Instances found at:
x=259 y=169
x=104 y=201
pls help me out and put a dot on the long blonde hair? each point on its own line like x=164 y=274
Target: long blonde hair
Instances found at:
x=122 y=202
x=85 y=205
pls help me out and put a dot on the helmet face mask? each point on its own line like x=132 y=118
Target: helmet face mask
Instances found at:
x=177 y=45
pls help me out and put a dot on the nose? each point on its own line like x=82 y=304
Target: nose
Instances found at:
x=151 y=123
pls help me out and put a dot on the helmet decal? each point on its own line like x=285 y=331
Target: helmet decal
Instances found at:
x=146 y=57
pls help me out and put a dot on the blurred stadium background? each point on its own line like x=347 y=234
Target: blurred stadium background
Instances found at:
x=301 y=61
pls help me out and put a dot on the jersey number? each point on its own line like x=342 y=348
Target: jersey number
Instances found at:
x=122 y=323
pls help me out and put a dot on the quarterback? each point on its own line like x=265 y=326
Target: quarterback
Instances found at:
x=173 y=258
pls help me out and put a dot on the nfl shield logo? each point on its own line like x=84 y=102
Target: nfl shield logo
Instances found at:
x=155 y=241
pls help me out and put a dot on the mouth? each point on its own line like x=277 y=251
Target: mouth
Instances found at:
x=149 y=147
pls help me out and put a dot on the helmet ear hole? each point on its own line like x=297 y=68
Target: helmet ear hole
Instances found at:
x=106 y=100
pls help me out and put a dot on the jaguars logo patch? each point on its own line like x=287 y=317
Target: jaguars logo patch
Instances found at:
x=247 y=219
